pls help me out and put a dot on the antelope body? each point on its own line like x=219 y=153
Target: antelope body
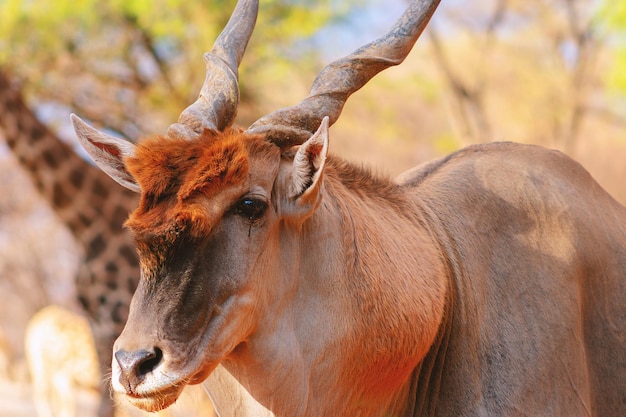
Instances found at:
x=490 y=282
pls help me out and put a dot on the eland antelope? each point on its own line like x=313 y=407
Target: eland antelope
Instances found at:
x=489 y=282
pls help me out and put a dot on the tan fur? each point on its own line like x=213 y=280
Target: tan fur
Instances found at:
x=385 y=298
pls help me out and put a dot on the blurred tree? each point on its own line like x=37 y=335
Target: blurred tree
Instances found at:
x=133 y=65
x=535 y=62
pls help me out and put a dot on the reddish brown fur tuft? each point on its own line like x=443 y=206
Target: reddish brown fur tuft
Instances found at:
x=170 y=171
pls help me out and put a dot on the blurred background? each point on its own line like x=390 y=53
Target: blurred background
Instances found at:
x=546 y=72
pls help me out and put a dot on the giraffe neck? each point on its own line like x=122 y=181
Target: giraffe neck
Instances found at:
x=82 y=196
x=91 y=205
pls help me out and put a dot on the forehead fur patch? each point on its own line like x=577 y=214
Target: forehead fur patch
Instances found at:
x=175 y=169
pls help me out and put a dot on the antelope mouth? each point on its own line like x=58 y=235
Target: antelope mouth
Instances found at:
x=155 y=400
x=159 y=388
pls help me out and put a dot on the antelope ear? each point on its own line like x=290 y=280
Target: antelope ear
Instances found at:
x=308 y=166
x=107 y=152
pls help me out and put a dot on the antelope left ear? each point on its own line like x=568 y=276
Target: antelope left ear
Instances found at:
x=308 y=166
x=108 y=152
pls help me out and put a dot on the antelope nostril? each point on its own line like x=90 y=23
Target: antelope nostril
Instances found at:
x=150 y=362
x=135 y=365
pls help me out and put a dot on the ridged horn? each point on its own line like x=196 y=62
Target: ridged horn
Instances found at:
x=338 y=80
x=216 y=106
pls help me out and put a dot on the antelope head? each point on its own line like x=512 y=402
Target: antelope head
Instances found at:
x=215 y=267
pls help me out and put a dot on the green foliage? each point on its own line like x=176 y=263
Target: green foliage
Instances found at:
x=37 y=30
x=28 y=28
x=613 y=15
x=617 y=73
x=446 y=143
x=145 y=56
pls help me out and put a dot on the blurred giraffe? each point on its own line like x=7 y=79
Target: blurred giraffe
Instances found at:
x=93 y=207
x=66 y=364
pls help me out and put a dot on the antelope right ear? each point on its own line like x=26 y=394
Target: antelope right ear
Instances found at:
x=308 y=167
x=107 y=152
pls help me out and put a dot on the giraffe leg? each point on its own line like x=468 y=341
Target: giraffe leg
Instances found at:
x=65 y=396
x=41 y=398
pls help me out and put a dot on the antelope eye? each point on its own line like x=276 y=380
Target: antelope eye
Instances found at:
x=251 y=209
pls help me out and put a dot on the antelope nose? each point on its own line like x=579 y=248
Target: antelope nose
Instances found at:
x=134 y=366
